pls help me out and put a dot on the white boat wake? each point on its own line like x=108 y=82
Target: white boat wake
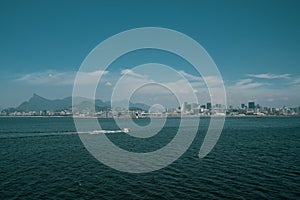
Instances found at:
x=124 y=130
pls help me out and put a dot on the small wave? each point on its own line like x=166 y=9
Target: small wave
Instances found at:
x=26 y=135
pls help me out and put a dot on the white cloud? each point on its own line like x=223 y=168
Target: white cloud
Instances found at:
x=143 y=85
x=108 y=83
x=269 y=76
x=132 y=73
x=276 y=95
x=245 y=84
x=296 y=81
x=88 y=78
x=186 y=86
x=241 y=91
x=210 y=80
x=214 y=81
x=51 y=77
x=189 y=76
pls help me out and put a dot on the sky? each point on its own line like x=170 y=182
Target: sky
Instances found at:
x=255 y=45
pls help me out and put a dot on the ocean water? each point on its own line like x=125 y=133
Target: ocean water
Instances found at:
x=255 y=158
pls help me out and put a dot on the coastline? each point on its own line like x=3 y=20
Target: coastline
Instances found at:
x=156 y=117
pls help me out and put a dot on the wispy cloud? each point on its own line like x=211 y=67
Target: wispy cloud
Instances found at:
x=269 y=76
x=132 y=73
x=243 y=81
x=142 y=83
x=212 y=81
x=296 y=81
x=87 y=78
x=52 y=77
x=183 y=84
x=49 y=77
x=108 y=83
x=190 y=77
x=265 y=93
x=246 y=84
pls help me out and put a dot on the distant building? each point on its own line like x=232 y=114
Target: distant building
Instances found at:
x=184 y=107
x=218 y=105
x=194 y=105
x=188 y=107
x=208 y=106
x=251 y=105
x=243 y=106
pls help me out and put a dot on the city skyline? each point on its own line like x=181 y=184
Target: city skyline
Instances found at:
x=123 y=104
x=254 y=44
x=39 y=106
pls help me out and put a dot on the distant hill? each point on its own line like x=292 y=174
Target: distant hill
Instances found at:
x=38 y=103
x=139 y=106
x=132 y=106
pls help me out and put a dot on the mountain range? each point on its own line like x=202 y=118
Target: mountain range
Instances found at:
x=38 y=103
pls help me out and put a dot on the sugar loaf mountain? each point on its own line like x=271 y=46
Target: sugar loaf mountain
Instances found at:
x=37 y=103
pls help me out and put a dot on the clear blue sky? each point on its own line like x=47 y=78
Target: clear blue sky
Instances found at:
x=255 y=44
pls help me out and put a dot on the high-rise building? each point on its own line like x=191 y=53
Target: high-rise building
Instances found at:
x=208 y=106
x=184 y=107
x=251 y=105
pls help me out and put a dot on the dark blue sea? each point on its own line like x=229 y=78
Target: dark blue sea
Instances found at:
x=255 y=158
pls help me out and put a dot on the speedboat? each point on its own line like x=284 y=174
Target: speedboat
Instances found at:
x=125 y=130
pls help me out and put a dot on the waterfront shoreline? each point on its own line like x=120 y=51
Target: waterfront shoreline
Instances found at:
x=184 y=116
